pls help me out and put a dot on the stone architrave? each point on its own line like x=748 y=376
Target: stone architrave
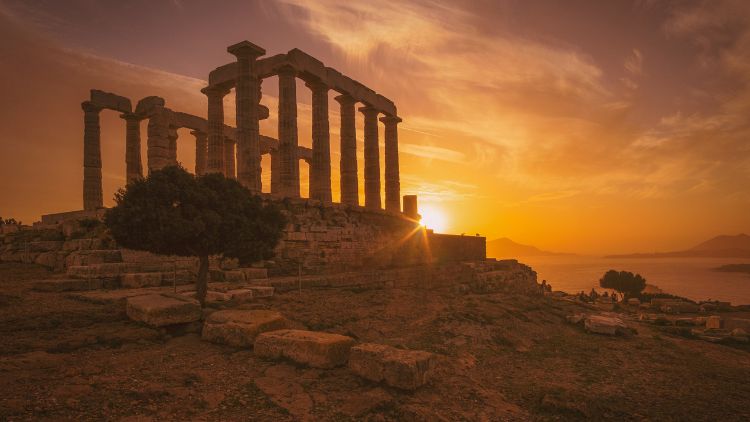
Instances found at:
x=348 y=163
x=133 y=165
x=92 y=157
x=248 y=100
x=320 y=171
x=372 y=158
x=215 y=161
x=392 y=178
x=201 y=151
x=288 y=143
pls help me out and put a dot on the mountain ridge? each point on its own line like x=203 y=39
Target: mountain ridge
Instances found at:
x=722 y=246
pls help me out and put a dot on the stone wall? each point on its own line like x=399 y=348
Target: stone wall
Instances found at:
x=451 y=247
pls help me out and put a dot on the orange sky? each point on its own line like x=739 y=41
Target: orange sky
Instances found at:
x=577 y=126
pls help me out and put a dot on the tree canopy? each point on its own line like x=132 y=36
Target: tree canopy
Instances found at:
x=173 y=212
x=624 y=282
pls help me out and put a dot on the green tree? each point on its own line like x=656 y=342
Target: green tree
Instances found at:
x=624 y=282
x=172 y=212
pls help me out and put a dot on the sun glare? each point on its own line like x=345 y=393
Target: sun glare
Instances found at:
x=433 y=218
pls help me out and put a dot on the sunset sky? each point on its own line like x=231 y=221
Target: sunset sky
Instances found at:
x=575 y=126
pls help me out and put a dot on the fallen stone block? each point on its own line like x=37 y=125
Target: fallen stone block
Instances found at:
x=67 y=285
x=212 y=296
x=405 y=369
x=234 y=276
x=138 y=280
x=261 y=291
x=605 y=325
x=159 y=310
x=713 y=322
x=254 y=273
x=239 y=328
x=312 y=348
x=241 y=295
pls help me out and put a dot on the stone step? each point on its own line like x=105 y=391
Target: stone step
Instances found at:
x=138 y=280
x=405 y=369
x=68 y=285
x=92 y=256
x=312 y=348
x=239 y=328
x=160 y=310
x=116 y=269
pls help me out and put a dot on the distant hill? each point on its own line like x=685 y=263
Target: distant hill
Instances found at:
x=506 y=248
x=718 y=247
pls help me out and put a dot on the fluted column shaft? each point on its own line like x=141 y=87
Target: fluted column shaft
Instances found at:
x=92 y=158
x=392 y=178
x=229 y=158
x=215 y=162
x=320 y=171
x=133 y=165
x=201 y=151
x=289 y=166
x=248 y=99
x=372 y=158
x=172 y=137
x=348 y=163
x=158 y=140
x=275 y=172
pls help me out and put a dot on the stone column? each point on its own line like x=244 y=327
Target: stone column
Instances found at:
x=215 y=161
x=158 y=140
x=320 y=171
x=348 y=163
x=275 y=172
x=133 y=165
x=201 y=151
x=172 y=137
x=392 y=178
x=372 y=158
x=248 y=100
x=229 y=158
x=288 y=164
x=92 y=158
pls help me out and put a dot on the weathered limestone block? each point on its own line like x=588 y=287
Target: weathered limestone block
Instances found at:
x=714 y=322
x=178 y=277
x=138 y=280
x=91 y=257
x=113 y=269
x=45 y=246
x=312 y=348
x=52 y=260
x=239 y=328
x=212 y=296
x=159 y=310
x=111 y=101
x=261 y=291
x=234 y=276
x=241 y=295
x=254 y=273
x=405 y=369
x=67 y=285
x=604 y=325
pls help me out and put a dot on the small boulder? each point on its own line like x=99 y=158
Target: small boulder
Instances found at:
x=239 y=328
x=159 y=310
x=601 y=324
x=405 y=369
x=312 y=348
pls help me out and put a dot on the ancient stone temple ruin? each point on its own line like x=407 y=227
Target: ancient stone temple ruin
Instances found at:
x=341 y=243
x=236 y=152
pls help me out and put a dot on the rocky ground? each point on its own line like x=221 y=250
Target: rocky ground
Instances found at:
x=502 y=357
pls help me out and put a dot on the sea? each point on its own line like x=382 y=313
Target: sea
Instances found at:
x=692 y=278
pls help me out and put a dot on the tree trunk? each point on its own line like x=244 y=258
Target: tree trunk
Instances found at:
x=201 y=285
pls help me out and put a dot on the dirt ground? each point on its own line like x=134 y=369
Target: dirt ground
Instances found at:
x=502 y=357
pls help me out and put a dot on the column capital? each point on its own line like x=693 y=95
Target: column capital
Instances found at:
x=131 y=117
x=317 y=85
x=199 y=134
x=246 y=49
x=345 y=99
x=390 y=119
x=369 y=111
x=215 y=91
x=286 y=70
x=90 y=107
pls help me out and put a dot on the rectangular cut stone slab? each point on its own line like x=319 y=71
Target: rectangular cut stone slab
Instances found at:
x=254 y=273
x=604 y=325
x=261 y=291
x=159 y=310
x=234 y=276
x=212 y=296
x=312 y=348
x=241 y=295
x=405 y=369
x=138 y=280
x=239 y=328
x=68 y=285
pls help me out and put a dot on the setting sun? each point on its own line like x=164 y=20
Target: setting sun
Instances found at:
x=433 y=218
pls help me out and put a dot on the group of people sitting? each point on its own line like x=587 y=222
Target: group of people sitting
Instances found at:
x=593 y=296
